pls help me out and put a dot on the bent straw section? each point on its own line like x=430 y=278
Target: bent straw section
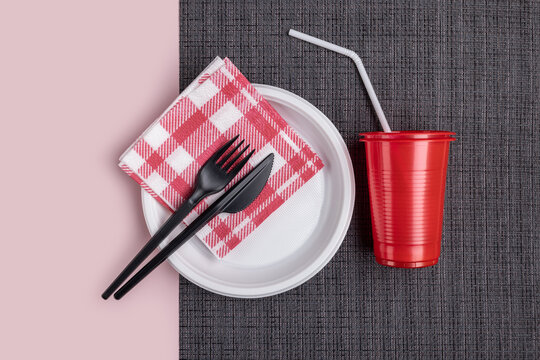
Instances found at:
x=359 y=65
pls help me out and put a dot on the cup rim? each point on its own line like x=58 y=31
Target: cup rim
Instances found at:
x=407 y=135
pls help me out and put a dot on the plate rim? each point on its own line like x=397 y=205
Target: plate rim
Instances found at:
x=321 y=261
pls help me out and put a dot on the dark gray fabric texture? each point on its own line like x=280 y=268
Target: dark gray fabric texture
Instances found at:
x=466 y=66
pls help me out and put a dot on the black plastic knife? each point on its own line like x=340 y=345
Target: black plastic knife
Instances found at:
x=236 y=199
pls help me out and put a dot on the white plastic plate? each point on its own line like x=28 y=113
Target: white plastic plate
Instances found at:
x=297 y=240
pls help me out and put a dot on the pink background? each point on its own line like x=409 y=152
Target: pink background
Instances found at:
x=79 y=81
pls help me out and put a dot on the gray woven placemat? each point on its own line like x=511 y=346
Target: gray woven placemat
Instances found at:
x=470 y=67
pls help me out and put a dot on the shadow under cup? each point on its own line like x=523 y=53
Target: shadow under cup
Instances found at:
x=406 y=177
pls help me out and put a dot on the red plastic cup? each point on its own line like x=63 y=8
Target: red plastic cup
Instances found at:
x=406 y=177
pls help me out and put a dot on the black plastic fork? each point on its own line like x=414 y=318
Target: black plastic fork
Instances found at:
x=213 y=176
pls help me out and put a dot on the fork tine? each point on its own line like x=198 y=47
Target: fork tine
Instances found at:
x=228 y=155
x=224 y=148
x=235 y=170
x=233 y=160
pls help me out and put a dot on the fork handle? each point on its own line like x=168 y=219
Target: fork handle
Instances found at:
x=171 y=247
x=171 y=223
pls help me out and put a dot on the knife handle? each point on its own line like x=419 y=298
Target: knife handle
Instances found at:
x=170 y=248
x=171 y=223
x=233 y=200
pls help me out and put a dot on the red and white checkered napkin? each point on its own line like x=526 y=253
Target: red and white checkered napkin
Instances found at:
x=219 y=104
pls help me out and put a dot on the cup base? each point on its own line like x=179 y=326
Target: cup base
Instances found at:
x=407 y=265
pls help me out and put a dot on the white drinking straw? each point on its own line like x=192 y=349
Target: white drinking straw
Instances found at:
x=359 y=65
